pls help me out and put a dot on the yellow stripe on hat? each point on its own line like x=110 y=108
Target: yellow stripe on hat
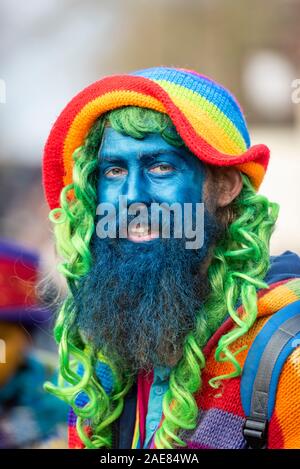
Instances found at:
x=206 y=128
x=226 y=130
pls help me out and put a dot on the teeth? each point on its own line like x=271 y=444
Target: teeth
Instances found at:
x=142 y=231
x=139 y=231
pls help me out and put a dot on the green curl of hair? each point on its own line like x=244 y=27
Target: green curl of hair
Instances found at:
x=239 y=264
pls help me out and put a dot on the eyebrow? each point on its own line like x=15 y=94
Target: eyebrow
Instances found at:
x=149 y=155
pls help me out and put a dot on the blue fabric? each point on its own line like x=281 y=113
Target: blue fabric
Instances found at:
x=105 y=377
x=282 y=267
x=285 y=266
x=28 y=414
x=30 y=316
x=255 y=353
x=104 y=374
x=157 y=391
x=10 y=250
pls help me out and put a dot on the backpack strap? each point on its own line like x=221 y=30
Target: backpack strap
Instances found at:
x=266 y=357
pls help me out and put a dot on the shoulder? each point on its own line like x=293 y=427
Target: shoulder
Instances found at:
x=270 y=386
x=285 y=422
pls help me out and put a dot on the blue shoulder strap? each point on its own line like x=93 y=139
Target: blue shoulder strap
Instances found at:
x=274 y=343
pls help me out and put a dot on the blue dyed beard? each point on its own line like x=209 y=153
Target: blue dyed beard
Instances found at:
x=140 y=300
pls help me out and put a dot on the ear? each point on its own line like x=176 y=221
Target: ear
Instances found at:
x=230 y=185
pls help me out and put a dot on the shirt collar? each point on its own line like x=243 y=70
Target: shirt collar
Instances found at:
x=161 y=373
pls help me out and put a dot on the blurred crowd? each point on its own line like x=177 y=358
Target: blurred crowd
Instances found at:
x=29 y=417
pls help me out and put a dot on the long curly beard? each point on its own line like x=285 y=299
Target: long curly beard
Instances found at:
x=140 y=300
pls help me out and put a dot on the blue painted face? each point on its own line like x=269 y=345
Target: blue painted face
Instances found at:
x=147 y=170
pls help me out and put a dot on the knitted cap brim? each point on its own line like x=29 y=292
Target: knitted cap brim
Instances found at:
x=74 y=123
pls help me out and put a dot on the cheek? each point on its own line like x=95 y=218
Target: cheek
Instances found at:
x=193 y=193
x=107 y=193
x=190 y=189
x=195 y=189
x=186 y=188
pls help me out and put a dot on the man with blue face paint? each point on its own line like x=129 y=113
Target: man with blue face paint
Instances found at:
x=159 y=327
x=160 y=283
x=145 y=172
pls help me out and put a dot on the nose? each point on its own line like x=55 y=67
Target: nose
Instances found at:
x=137 y=189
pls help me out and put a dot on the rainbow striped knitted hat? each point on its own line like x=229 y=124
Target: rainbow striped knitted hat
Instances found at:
x=207 y=117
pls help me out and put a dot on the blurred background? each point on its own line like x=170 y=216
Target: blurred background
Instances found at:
x=51 y=49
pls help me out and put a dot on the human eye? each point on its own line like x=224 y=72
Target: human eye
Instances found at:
x=162 y=168
x=115 y=172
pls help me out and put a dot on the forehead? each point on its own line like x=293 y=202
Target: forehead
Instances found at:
x=114 y=142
